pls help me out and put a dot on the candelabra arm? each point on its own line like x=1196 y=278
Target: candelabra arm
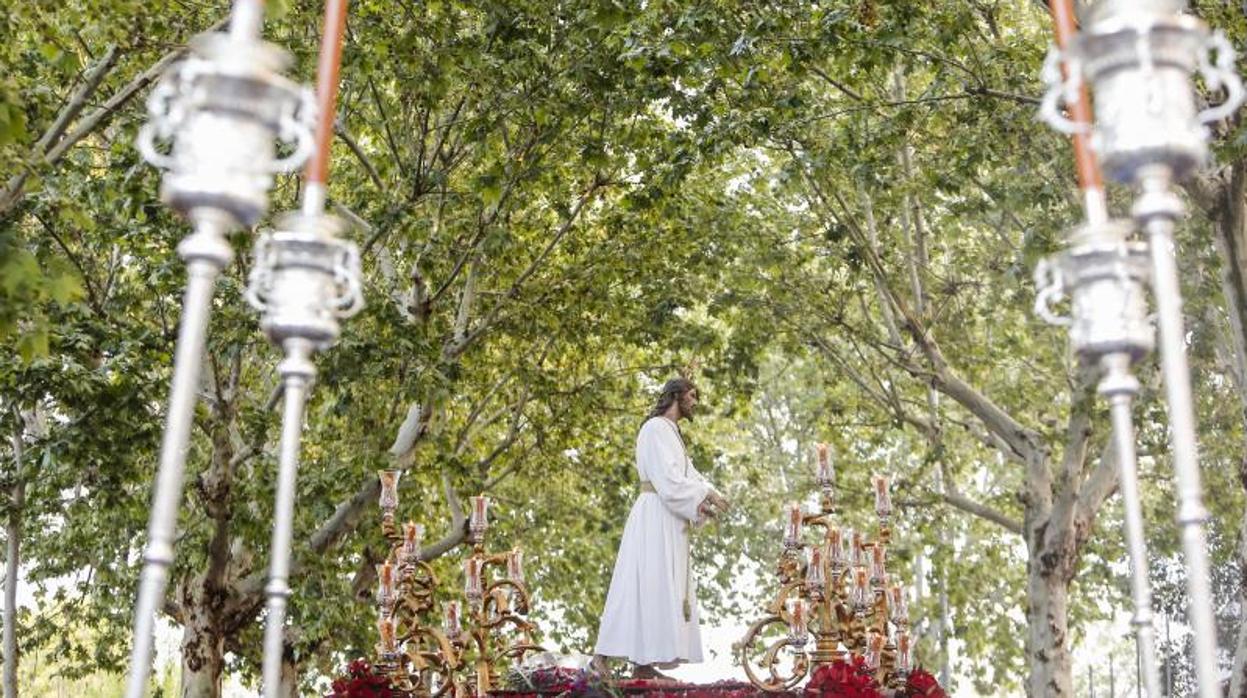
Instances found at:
x=776 y=683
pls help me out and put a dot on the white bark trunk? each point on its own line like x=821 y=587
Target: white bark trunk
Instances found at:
x=289 y=676
x=203 y=654
x=1048 y=617
x=1228 y=211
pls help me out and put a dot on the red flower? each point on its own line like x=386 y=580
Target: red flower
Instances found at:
x=361 y=682
x=922 y=683
x=842 y=679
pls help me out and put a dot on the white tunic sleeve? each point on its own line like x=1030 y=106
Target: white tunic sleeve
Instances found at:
x=660 y=459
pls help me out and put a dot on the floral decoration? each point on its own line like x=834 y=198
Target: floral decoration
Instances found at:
x=362 y=681
x=922 y=684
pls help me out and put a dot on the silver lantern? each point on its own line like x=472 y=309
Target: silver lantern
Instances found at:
x=1105 y=275
x=222 y=109
x=305 y=280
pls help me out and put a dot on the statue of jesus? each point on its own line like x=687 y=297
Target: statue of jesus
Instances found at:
x=650 y=617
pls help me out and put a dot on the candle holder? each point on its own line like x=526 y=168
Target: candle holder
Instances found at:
x=826 y=590
x=444 y=652
x=304 y=281
x=825 y=476
x=478 y=520
x=388 y=500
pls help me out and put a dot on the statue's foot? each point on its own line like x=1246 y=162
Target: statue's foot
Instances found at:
x=646 y=672
x=600 y=666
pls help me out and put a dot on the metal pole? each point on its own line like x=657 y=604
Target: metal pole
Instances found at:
x=1156 y=208
x=246 y=19
x=12 y=562
x=206 y=252
x=297 y=371
x=1119 y=386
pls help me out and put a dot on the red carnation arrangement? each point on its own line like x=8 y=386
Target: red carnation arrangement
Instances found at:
x=362 y=682
x=842 y=679
x=921 y=684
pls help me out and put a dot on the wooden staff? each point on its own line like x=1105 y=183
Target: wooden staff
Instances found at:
x=327 y=70
x=1090 y=181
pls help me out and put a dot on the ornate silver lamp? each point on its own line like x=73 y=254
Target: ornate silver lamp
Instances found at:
x=304 y=280
x=1139 y=57
x=1105 y=275
x=223 y=109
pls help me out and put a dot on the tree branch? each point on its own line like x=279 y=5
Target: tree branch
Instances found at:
x=982 y=511
x=90 y=83
x=14 y=190
x=456 y=348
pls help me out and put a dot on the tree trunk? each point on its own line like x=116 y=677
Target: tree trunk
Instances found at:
x=1048 y=616
x=1225 y=204
x=289 y=674
x=203 y=648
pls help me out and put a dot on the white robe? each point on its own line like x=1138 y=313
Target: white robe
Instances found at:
x=643 y=620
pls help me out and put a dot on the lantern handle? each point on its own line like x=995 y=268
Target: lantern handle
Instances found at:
x=1061 y=91
x=1050 y=282
x=295 y=126
x=1219 y=72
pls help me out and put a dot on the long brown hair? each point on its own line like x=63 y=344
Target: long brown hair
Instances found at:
x=672 y=391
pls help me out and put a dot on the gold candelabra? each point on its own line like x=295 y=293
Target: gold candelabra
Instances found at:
x=423 y=659
x=837 y=589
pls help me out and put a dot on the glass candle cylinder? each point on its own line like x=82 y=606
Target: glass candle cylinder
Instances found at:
x=386 y=595
x=472 y=584
x=857 y=549
x=387 y=632
x=883 y=499
x=515 y=566
x=792 y=525
x=878 y=571
x=389 y=490
x=453 y=626
x=860 y=591
x=798 y=621
x=874 y=650
x=815 y=580
x=898 y=608
x=825 y=474
x=835 y=550
x=479 y=520
x=413 y=537
x=903 y=661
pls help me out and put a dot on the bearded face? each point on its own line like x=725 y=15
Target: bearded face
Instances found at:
x=688 y=404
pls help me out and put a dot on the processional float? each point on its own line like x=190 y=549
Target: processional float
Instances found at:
x=224 y=109
x=413 y=652
x=836 y=588
x=1139 y=57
